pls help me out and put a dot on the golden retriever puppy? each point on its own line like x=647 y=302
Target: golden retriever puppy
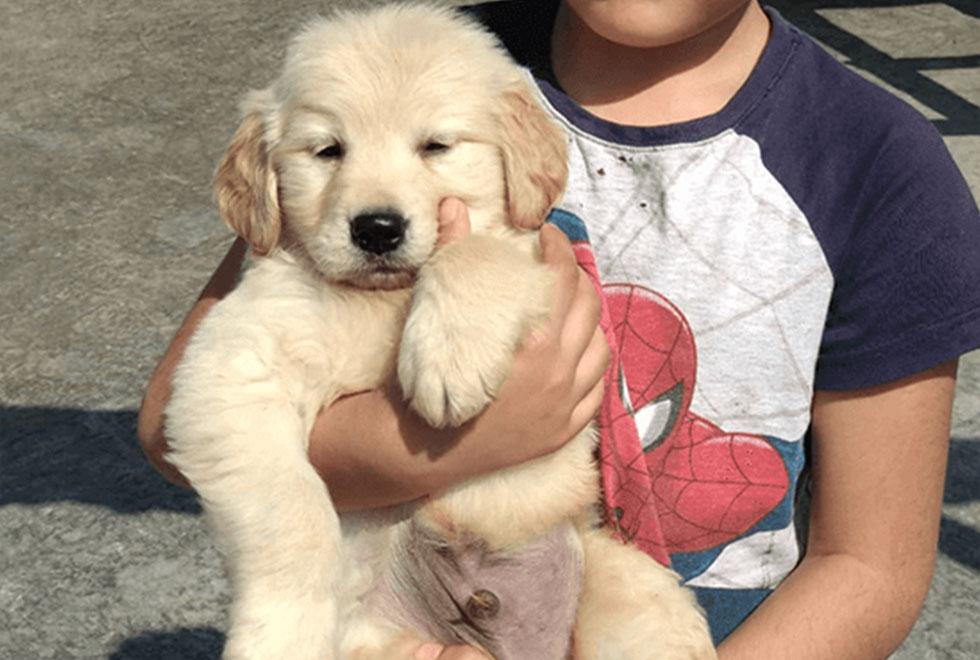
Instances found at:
x=334 y=178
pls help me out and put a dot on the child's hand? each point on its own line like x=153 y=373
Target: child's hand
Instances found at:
x=555 y=387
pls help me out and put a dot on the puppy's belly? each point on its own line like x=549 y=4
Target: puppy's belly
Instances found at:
x=517 y=605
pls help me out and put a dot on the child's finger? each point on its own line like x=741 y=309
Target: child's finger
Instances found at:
x=585 y=410
x=589 y=382
x=454 y=221
x=582 y=317
x=593 y=363
x=555 y=246
x=556 y=252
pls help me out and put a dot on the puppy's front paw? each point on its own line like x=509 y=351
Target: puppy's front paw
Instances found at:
x=472 y=305
x=449 y=369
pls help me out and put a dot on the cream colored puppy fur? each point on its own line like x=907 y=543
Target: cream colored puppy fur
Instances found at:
x=391 y=110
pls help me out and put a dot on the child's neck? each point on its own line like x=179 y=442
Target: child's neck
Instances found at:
x=680 y=82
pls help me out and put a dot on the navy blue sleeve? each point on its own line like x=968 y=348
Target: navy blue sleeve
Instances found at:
x=907 y=286
x=896 y=220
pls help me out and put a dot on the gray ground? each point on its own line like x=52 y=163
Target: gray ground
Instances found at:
x=112 y=117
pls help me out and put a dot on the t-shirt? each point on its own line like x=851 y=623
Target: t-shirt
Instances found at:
x=814 y=233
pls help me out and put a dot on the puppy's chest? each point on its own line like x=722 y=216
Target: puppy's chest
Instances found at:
x=362 y=333
x=336 y=341
x=518 y=604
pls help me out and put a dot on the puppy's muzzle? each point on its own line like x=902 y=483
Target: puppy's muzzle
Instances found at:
x=378 y=233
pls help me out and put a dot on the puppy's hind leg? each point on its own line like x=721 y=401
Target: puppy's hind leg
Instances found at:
x=632 y=608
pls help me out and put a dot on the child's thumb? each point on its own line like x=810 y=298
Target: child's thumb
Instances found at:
x=454 y=221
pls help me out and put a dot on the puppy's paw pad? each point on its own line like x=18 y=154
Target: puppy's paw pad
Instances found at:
x=463 y=327
x=441 y=389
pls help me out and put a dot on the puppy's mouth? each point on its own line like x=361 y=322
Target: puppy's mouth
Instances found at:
x=382 y=273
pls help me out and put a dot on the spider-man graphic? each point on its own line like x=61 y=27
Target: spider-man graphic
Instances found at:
x=673 y=481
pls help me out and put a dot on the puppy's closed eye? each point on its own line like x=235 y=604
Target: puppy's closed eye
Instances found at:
x=334 y=151
x=434 y=147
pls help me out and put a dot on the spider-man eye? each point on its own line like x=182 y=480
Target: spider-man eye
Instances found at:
x=655 y=420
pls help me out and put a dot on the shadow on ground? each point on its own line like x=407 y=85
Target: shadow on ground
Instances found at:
x=183 y=644
x=64 y=454
x=961 y=117
x=958 y=541
x=54 y=454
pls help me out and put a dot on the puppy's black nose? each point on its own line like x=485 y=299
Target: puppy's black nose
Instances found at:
x=378 y=233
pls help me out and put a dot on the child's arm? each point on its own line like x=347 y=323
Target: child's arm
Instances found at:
x=149 y=424
x=373 y=451
x=879 y=458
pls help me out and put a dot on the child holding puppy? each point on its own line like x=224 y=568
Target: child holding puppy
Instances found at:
x=789 y=259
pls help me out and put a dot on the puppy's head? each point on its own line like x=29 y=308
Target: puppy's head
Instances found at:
x=375 y=118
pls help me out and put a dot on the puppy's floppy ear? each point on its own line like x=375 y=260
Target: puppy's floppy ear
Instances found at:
x=534 y=153
x=245 y=185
